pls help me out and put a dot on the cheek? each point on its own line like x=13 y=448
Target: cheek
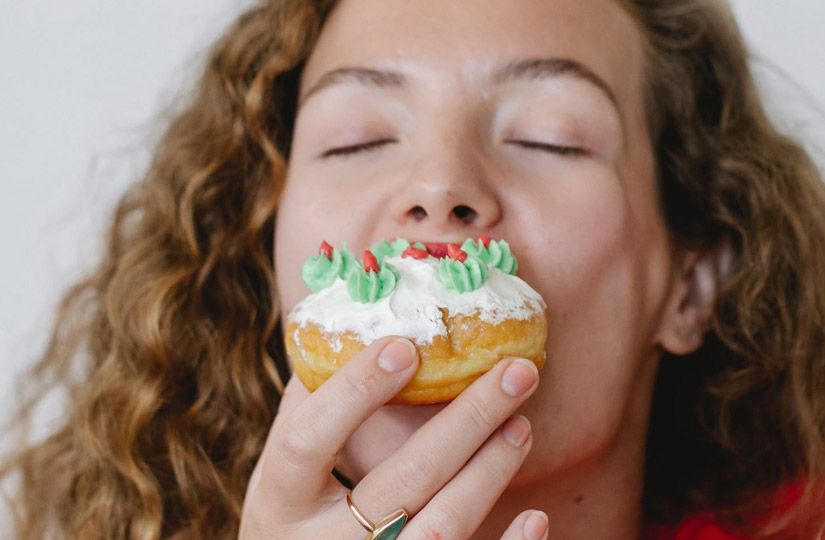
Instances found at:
x=298 y=233
x=590 y=290
x=309 y=212
x=581 y=228
x=290 y=242
x=602 y=284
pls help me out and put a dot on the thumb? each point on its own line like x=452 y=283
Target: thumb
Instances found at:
x=529 y=525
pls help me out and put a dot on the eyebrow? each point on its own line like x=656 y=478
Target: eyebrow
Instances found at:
x=526 y=69
x=547 y=68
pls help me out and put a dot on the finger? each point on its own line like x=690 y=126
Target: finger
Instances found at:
x=442 y=446
x=301 y=452
x=529 y=525
x=462 y=505
x=294 y=393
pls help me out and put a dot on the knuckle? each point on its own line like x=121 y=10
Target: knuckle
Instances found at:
x=481 y=416
x=411 y=478
x=361 y=385
x=295 y=448
x=498 y=466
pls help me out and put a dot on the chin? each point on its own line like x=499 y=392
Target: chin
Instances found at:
x=409 y=418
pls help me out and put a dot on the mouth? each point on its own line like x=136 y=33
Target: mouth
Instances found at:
x=437 y=249
x=440 y=249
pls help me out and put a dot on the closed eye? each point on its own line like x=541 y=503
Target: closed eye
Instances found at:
x=568 y=151
x=344 y=151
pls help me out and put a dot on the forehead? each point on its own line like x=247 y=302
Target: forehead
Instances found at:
x=438 y=40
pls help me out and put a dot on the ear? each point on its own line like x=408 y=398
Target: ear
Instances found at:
x=689 y=308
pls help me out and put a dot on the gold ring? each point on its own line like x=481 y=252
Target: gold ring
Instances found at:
x=387 y=528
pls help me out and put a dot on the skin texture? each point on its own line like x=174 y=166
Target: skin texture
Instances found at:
x=584 y=223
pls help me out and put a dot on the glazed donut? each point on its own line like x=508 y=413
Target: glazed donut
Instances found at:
x=463 y=308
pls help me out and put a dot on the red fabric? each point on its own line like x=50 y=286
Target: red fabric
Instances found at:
x=703 y=527
x=693 y=528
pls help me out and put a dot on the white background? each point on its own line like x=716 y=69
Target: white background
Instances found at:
x=83 y=87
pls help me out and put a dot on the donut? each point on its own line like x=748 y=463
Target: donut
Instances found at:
x=462 y=306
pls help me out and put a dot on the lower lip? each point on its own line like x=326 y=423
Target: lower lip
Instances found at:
x=436 y=249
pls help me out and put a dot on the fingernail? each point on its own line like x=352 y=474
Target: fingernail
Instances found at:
x=516 y=431
x=535 y=526
x=397 y=356
x=518 y=377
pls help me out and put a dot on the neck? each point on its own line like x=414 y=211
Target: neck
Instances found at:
x=598 y=498
x=590 y=502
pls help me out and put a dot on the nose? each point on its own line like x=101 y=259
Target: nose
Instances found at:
x=447 y=193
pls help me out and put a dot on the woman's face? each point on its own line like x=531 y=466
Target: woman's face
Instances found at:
x=437 y=120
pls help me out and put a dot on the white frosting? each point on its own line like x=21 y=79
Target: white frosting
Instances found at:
x=411 y=310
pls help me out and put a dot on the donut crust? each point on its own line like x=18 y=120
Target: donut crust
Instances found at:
x=448 y=364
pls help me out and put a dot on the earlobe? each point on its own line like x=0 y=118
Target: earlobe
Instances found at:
x=695 y=289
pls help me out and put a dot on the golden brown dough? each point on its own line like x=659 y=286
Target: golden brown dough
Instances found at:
x=448 y=365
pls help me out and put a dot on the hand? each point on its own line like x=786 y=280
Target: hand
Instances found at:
x=447 y=475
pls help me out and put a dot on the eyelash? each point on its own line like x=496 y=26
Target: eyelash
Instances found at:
x=345 y=151
x=565 y=151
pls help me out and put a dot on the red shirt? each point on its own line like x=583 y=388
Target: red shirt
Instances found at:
x=703 y=526
x=692 y=528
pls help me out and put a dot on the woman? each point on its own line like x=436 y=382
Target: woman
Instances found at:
x=619 y=146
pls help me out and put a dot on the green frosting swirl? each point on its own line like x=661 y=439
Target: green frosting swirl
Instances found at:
x=349 y=262
x=497 y=254
x=319 y=272
x=384 y=249
x=370 y=287
x=462 y=277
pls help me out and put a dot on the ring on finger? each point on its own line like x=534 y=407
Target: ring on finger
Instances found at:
x=387 y=528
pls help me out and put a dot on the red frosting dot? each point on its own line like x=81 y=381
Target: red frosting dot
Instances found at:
x=485 y=240
x=454 y=251
x=326 y=249
x=370 y=262
x=415 y=253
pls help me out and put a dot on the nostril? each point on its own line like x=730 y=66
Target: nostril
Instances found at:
x=418 y=213
x=464 y=213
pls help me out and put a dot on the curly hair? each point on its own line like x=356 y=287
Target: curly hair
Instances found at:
x=171 y=351
x=745 y=414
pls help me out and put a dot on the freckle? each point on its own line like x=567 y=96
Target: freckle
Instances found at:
x=579 y=499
